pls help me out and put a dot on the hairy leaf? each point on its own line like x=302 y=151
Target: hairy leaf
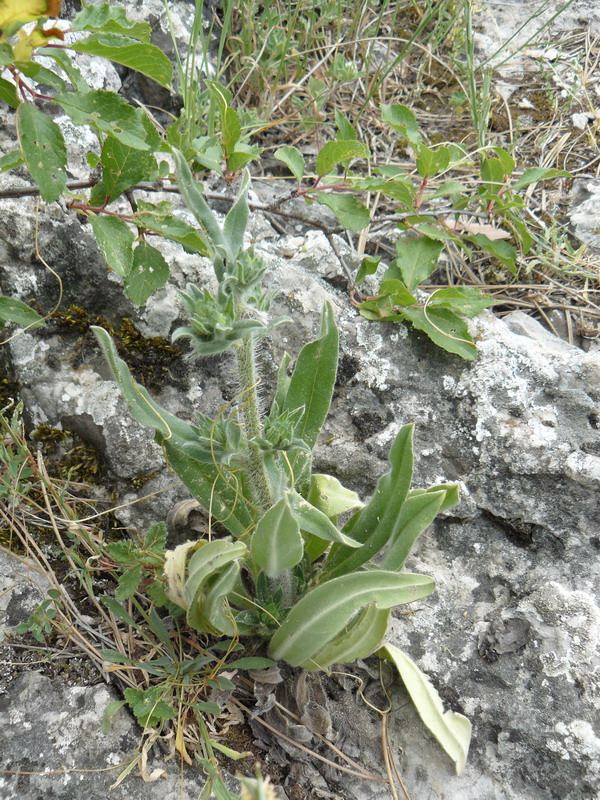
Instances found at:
x=277 y=543
x=452 y=730
x=417 y=513
x=358 y=640
x=324 y=612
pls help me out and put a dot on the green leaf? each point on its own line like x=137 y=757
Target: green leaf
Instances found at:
x=358 y=639
x=534 y=174
x=503 y=251
x=109 y=113
x=122 y=168
x=377 y=523
x=110 y=19
x=192 y=196
x=115 y=240
x=350 y=212
x=231 y=130
x=368 y=266
x=276 y=543
x=401 y=190
x=417 y=513
x=492 y=175
x=431 y=162
x=147 y=706
x=444 y=328
x=208 y=559
x=292 y=158
x=119 y=611
x=452 y=730
x=392 y=293
x=13 y=310
x=313 y=379
x=159 y=218
x=43 y=149
x=404 y=121
x=236 y=220
x=415 y=260
x=144 y=58
x=334 y=153
x=314 y=521
x=109 y=714
x=330 y=496
x=464 y=300
x=249 y=662
x=11 y=160
x=8 y=93
x=324 y=612
x=449 y=189
x=128 y=583
x=148 y=273
x=505 y=158
x=345 y=131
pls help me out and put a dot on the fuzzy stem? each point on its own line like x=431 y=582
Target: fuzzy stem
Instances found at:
x=251 y=420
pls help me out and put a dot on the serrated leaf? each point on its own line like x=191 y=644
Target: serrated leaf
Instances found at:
x=144 y=58
x=324 y=612
x=13 y=310
x=292 y=158
x=464 y=300
x=350 y=212
x=149 y=272
x=402 y=120
x=452 y=730
x=122 y=168
x=276 y=543
x=534 y=174
x=115 y=240
x=43 y=149
x=415 y=260
x=110 y=19
x=147 y=706
x=109 y=113
x=128 y=583
x=444 y=328
x=334 y=153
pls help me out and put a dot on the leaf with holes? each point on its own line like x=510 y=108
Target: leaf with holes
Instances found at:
x=43 y=149
x=115 y=240
x=122 y=168
x=149 y=272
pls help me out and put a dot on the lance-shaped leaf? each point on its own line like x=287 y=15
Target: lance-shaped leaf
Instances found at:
x=316 y=522
x=43 y=149
x=325 y=611
x=236 y=220
x=194 y=200
x=378 y=520
x=276 y=543
x=417 y=513
x=144 y=58
x=311 y=386
x=115 y=240
x=452 y=730
x=359 y=639
x=225 y=495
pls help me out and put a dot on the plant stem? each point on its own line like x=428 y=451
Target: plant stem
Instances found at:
x=251 y=419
